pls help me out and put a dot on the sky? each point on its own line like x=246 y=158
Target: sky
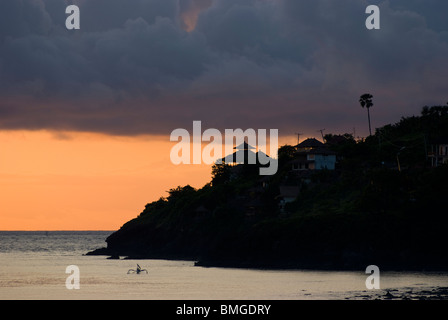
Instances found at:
x=85 y=115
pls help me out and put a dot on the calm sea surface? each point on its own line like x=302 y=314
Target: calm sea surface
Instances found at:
x=33 y=266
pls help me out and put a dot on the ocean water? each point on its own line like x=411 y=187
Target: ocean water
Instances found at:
x=33 y=266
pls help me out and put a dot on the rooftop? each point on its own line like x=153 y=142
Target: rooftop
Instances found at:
x=310 y=143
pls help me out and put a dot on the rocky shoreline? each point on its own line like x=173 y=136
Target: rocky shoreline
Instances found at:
x=270 y=264
x=406 y=293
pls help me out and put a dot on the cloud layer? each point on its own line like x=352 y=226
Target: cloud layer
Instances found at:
x=150 y=66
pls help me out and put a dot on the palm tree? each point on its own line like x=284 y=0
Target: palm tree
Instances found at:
x=366 y=101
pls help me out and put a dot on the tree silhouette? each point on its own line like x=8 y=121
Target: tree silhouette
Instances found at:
x=366 y=101
x=220 y=173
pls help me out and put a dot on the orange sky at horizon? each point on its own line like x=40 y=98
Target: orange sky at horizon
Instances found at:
x=86 y=181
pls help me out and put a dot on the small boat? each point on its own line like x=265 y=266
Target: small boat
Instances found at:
x=138 y=270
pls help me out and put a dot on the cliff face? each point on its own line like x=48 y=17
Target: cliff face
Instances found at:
x=364 y=212
x=333 y=228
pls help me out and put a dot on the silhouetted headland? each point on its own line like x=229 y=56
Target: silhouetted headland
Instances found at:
x=341 y=203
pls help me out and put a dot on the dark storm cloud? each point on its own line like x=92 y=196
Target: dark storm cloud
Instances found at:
x=287 y=64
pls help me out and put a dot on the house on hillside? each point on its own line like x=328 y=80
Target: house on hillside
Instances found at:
x=438 y=152
x=312 y=154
